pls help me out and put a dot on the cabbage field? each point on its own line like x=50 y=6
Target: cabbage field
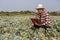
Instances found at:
x=16 y=28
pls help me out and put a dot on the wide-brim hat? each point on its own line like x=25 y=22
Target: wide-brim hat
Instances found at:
x=40 y=6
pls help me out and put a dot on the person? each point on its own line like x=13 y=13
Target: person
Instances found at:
x=44 y=18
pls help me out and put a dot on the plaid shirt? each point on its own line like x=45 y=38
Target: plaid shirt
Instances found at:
x=44 y=19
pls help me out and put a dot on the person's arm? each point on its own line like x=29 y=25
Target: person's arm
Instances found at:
x=48 y=20
x=34 y=24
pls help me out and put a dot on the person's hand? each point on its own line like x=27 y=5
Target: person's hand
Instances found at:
x=30 y=26
x=37 y=24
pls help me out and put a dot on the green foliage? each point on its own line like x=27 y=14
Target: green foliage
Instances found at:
x=16 y=28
